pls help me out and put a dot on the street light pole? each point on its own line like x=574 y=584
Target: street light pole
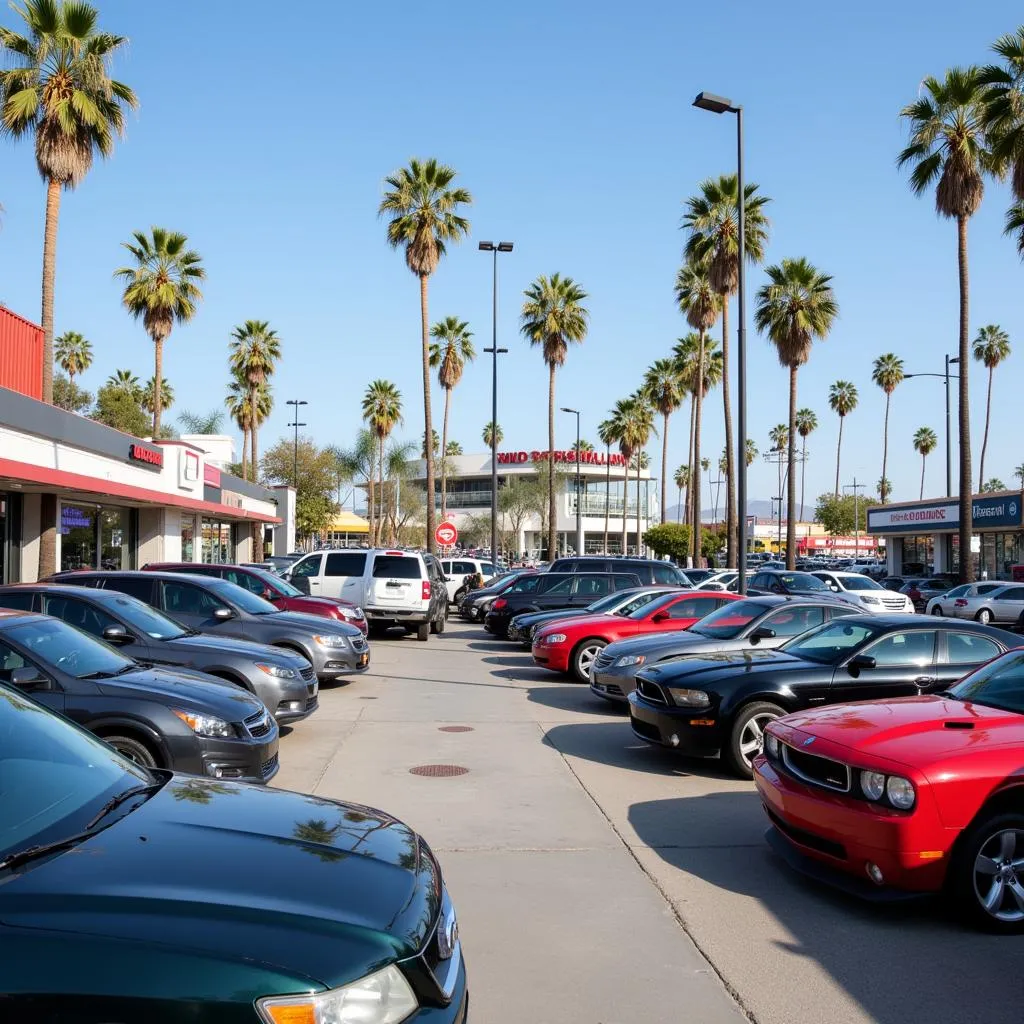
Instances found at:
x=947 y=377
x=296 y=402
x=721 y=105
x=579 y=497
x=856 y=488
x=494 y=352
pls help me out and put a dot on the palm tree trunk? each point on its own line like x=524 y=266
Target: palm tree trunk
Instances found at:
x=791 y=475
x=253 y=453
x=625 y=502
x=803 y=477
x=689 y=452
x=730 y=476
x=885 y=445
x=371 y=485
x=158 y=349
x=664 y=466
x=839 y=449
x=444 y=455
x=552 y=522
x=679 y=504
x=607 y=491
x=428 y=427
x=245 y=453
x=695 y=468
x=920 y=497
x=984 y=440
x=383 y=507
x=49 y=280
x=966 y=524
x=47 y=535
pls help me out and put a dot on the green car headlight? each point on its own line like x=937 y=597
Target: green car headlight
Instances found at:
x=380 y=998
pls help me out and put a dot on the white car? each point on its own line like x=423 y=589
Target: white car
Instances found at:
x=1002 y=604
x=871 y=597
x=457 y=569
x=956 y=604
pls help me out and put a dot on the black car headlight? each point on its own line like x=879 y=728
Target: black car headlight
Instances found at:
x=383 y=997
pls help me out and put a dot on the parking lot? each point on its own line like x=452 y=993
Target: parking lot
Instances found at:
x=599 y=881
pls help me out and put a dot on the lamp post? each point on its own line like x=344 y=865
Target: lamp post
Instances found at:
x=856 y=488
x=721 y=105
x=295 y=450
x=494 y=352
x=579 y=496
x=947 y=376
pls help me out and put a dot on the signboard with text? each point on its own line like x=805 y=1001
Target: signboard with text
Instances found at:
x=944 y=516
x=585 y=458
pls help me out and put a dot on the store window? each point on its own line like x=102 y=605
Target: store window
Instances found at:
x=115 y=547
x=188 y=538
x=217 y=548
x=78 y=537
x=918 y=555
x=96 y=537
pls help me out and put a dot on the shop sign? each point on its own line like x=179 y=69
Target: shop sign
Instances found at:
x=74 y=518
x=585 y=458
x=144 y=453
x=985 y=512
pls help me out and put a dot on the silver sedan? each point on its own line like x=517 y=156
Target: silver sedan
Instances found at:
x=955 y=603
x=1003 y=604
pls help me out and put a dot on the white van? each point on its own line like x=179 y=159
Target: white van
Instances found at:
x=457 y=569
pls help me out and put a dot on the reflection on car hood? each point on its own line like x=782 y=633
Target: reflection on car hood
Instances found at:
x=323 y=890
x=653 y=645
x=735 y=665
x=304 y=600
x=311 y=623
x=186 y=689
x=243 y=648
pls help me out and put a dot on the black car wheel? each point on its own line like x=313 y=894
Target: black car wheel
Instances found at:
x=987 y=874
x=937 y=610
x=460 y=595
x=437 y=626
x=423 y=632
x=746 y=737
x=583 y=657
x=984 y=617
x=135 y=750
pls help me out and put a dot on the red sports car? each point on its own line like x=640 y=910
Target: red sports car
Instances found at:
x=910 y=796
x=571 y=645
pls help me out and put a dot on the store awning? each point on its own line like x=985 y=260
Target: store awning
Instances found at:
x=347 y=522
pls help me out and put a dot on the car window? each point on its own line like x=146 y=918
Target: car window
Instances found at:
x=963 y=589
x=563 y=586
x=306 y=567
x=901 y=649
x=55 y=643
x=243 y=579
x=794 y=621
x=1010 y=594
x=344 y=563
x=134 y=586
x=762 y=579
x=999 y=684
x=10 y=659
x=979 y=588
x=458 y=568
x=827 y=644
x=693 y=608
x=187 y=599
x=636 y=603
x=591 y=586
x=396 y=567
x=665 y=573
x=446 y=565
x=486 y=569
x=17 y=600
x=525 y=585
x=82 y=616
x=969 y=648
x=859 y=583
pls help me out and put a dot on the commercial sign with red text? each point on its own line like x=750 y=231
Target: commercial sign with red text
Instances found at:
x=585 y=458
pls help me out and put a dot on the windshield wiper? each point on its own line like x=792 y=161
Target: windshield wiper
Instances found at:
x=115 y=801
x=102 y=674
x=946 y=693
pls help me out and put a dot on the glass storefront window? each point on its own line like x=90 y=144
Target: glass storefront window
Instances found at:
x=115 y=549
x=918 y=555
x=188 y=538
x=96 y=537
x=78 y=537
x=216 y=542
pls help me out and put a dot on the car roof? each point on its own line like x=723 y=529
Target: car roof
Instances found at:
x=842 y=574
x=10 y=616
x=140 y=574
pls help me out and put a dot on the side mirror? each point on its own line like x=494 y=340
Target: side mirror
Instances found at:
x=28 y=677
x=859 y=662
x=117 y=636
x=268 y=594
x=761 y=633
x=223 y=614
x=659 y=617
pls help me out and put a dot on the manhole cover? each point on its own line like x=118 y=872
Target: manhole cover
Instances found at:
x=455 y=728
x=438 y=771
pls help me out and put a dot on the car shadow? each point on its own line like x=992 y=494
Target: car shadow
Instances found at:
x=574 y=697
x=904 y=963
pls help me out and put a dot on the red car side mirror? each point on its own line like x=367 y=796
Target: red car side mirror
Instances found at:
x=659 y=617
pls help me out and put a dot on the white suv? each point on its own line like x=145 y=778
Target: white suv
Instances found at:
x=858 y=589
x=457 y=569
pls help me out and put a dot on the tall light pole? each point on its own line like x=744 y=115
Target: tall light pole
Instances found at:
x=947 y=376
x=579 y=495
x=856 y=488
x=721 y=105
x=295 y=451
x=494 y=352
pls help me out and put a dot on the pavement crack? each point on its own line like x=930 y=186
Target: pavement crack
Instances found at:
x=329 y=763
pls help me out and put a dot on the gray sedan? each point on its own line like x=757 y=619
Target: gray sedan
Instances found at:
x=1002 y=604
x=222 y=609
x=764 y=622
x=283 y=680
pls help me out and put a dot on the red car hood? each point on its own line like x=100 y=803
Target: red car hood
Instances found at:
x=314 y=605
x=586 y=624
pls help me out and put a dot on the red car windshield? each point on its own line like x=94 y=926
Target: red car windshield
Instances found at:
x=999 y=684
x=653 y=607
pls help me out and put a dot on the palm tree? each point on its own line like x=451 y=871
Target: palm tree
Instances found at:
x=842 y=399
x=201 y=423
x=423 y=215
x=925 y=442
x=149 y=394
x=1015 y=225
x=583 y=446
x=887 y=373
x=606 y=431
x=382 y=412
x=682 y=481
x=993 y=484
x=493 y=434
x=1003 y=112
x=664 y=388
x=1019 y=474
x=126 y=382
x=74 y=353
x=633 y=424
x=991 y=347
x=883 y=487
x=948 y=146
x=806 y=423
x=247 y=408
x=752 y=451
x=553 y=316
x=796 y=308
x=712 y=221
x=449 y=354
x=453 y=448
x=617 y=430
x=435 y=445
x=161 y=289
x=253 y=354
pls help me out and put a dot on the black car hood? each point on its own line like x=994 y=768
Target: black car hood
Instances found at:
x=186 y=689
x=735 y=666
x=247 y=648
x=324 y=890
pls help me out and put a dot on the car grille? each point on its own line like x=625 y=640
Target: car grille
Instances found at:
x=360 y=644
x=651 y=691
x=258 y=725
x=808 y=839
x=312 y=702
x=268 y=767
x=308 y=675
x=818 y=771
x=894 y=604
x=645 y=729
x=603 y=661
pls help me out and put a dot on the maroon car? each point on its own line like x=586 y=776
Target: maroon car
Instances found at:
x=274 y=589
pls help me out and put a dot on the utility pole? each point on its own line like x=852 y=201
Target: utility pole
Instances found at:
x=856 y=488
x=717 y=484
x=295 y=451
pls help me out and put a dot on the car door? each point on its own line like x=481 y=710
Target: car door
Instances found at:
x=682 y=612
x=556 y=595
x=344 y=576
x=946 y=600
x=906 y=664
x=49 y=694
x=197 y=608
x=304 y=574
x=92 y=620
x=1007 y=604
x=959 y=653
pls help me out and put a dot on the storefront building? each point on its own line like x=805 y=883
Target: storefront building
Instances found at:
x=922 y=536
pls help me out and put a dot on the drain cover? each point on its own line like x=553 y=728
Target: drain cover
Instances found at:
x=455 y=728
x=438 y=771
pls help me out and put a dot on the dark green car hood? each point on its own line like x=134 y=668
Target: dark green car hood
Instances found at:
x=310 y=888
x=731 y=668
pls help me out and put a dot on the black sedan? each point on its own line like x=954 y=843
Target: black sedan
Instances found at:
x=782 y=581
x=720 y=703
x=157 y=717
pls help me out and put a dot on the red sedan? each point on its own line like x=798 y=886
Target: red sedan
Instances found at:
x=918 y=795
x=571 y=645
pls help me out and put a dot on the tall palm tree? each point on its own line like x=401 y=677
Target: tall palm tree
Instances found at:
x=664 y=388
x=682 y=482
x=449 y=354
x=247 y=408
x=74 y=353
x=161 y=289
x=553 y=316
x=149 y=393
x=712 y=223
x=925 y=442
x=1003 y=111
x=382 y=412
x=254 y=351
x=806 y=423
x=606 y=431
x=752 y=451
x=842 y=399
x=125 y=381
x=493 y=434
x=991 y=347
x=423 y=211
x=1019 y=473
x=640 y=426
x=887 y=373
x=948 y=147
x=453 y=448
x=1015 y=225
x=794 y=309
x=617 y=430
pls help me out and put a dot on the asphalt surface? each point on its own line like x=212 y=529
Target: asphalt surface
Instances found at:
x=600 y=881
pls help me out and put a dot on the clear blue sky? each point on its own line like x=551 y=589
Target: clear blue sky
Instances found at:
x=266 y=141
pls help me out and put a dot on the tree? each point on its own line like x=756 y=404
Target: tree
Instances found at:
x=607 y=435
x=991 y=347
x=423 y=215
x=149 y=392
x=752 y=452
x=712 y=223
x=382 y=412
x=883 y=488
x=682 y=482
x=120 y=409
x=314 y=504
x=806 y=423
x=663 y=388
x=211 y=422
x=672 y=539
x=924 y=444
x=254 y=352
x=1014 y=225
x=583 y=445
x=453 y=448
x=634 y=424
x=244 y=407
x=617 y=430
x=398 y=468
x=449 y=354
x=948 y=147
x=1003 y=107
x=842 y=398
x=993 y=484
x=74 y=354
x=68 y=395
x=553 y=317
x=887 y=373
x=837 y=514
x=493 y=434
x=435 y=445
x=518 y=499
x=126 y=382
x=1019 y=473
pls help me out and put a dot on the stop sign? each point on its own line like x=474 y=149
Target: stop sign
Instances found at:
x=446 y=534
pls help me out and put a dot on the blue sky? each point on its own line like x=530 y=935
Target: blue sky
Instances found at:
x=266 y=141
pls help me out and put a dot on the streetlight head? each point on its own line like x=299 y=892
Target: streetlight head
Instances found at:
x=486 y=246
x=709 y=101
x=575 y=412
x=955 y=359
x=504 y=247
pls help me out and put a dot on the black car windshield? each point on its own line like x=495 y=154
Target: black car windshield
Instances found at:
x=57 y=645
x=801 y=582
x=730 y=620
x=830 y=643
x=144 y=618
x=998 y=684
x=55 y=776
x=242 y=598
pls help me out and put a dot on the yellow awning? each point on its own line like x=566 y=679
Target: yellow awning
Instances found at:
x=348 y=522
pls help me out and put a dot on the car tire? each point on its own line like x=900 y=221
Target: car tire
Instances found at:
x=423 y=632
x=437 y=626
x=937 y=610
x=984 y=617
x=460 y=595
x=135 y=750
x=748 y=727
x=583 y=656
x=980 y=857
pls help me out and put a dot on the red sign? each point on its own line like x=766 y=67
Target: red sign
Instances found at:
x=143 y=453
x=446 y=535
x=211 y=475
x=585 y=458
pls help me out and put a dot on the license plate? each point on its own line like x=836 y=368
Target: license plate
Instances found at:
x=364 y=660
